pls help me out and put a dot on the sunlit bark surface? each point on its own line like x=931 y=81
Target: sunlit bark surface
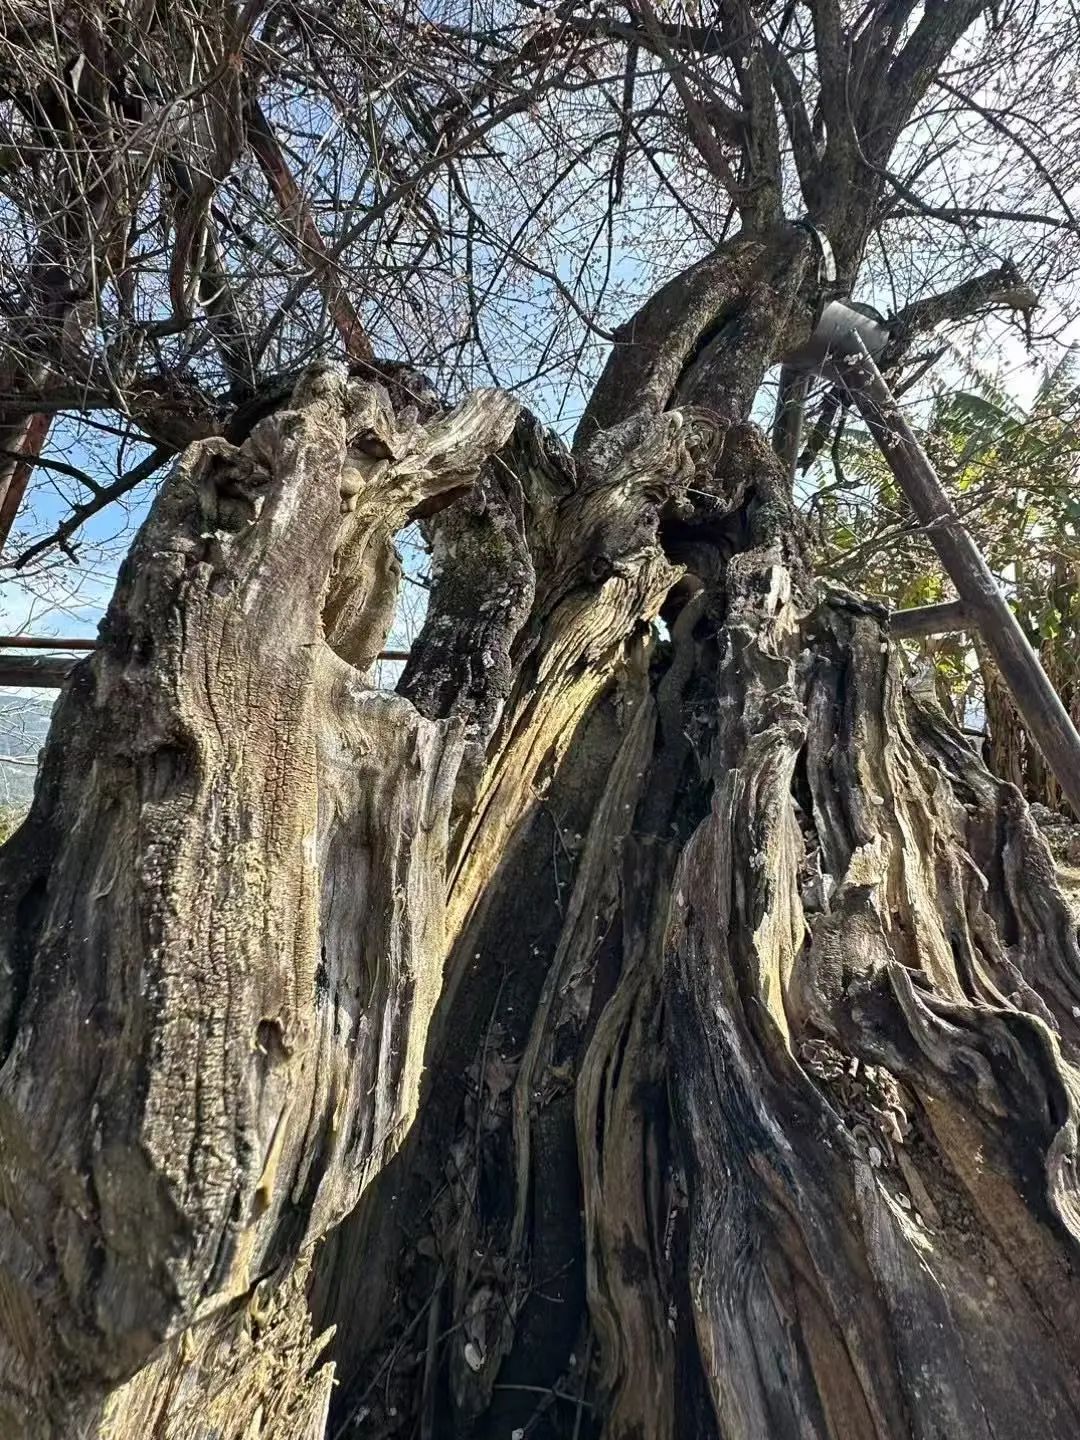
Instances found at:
x=621 y=1030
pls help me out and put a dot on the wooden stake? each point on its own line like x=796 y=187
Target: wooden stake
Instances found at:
x=941 y=619
x=1037 y=701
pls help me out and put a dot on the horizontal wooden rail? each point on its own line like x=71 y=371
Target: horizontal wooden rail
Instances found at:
x=48 y=672
x=943 y=619
x=42 y=642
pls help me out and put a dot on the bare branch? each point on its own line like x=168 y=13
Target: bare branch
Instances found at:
x=61 y=467
x=963 y=214
x=996 y=123
x=803 y=146
x=832 y=77
x=700 y=131
x=1002 y=288
x=742 y=37
x=941 y=26
x=61 y=536
x=267 y=151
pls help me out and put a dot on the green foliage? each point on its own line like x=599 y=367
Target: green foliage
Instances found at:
x=1013 y=475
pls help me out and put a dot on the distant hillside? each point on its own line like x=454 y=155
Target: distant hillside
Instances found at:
x=24 y=723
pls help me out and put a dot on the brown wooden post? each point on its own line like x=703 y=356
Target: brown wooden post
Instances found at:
x=40 y=672
x=44 y=642
x=33 y=442
x=940 y=619
x=1037 y=701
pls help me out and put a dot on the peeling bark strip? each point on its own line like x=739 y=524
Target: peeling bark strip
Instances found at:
x=661 y=1038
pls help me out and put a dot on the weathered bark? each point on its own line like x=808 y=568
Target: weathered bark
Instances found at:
x=607 y=1034
x=226 y=919
x=855 y=981
x=1009 y=749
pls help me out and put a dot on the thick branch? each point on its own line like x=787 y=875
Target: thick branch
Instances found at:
x=741 y=33
x=311 y=246
x=999 y=289
x=834 y=82
x=170 y=410
x=702 y=134
x=738 y=305
x=803 y=146
x=910 y=75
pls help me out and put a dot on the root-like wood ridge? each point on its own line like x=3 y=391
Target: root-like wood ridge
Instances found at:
x=617 y=1031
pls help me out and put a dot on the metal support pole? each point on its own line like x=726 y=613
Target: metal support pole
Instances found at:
x=1040 y=707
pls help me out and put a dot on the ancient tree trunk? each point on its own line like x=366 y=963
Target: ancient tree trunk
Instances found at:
x=616 y=1032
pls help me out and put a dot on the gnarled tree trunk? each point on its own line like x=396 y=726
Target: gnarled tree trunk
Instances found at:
x=607 y=1034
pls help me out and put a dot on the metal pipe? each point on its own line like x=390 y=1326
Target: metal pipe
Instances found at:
x=1035 y=698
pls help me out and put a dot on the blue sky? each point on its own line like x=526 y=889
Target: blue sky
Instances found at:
x=70 y=602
